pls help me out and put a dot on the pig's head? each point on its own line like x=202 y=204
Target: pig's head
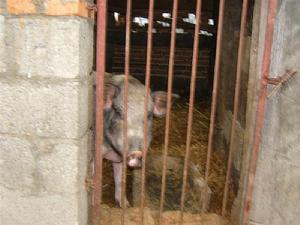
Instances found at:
x=114 y=117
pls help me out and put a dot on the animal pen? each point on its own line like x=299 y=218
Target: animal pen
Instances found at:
x=149 y=112
x=189 y=130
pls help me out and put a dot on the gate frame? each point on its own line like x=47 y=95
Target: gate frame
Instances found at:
x=100 y=71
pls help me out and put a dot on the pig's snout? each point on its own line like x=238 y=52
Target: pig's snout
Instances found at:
x=135 y=159
x=134 y=162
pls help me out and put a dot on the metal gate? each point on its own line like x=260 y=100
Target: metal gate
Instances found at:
x=101 y=46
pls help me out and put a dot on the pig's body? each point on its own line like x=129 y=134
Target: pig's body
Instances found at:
x=113 y=144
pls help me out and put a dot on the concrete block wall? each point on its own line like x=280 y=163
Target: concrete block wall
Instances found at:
x=46 y=102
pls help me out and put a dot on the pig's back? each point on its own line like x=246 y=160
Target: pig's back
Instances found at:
x=119 y=79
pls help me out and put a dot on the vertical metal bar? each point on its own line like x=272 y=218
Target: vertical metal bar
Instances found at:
x=215 y=88
x=125 y=138
x=100 y=69
x=260 y=114
x=236 y=101
x=146 y=98
x=169 y=98
x=191 y=106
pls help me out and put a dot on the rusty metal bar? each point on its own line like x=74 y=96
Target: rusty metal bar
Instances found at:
x=236 y=102
x=100 y=69
x=125 y=141
x=146 y=98
x=191 y=106
x=215 y=89
x=169 y=98
x=260 y=114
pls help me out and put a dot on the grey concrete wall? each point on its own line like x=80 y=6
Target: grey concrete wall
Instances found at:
x=276 y=198
x=46 y=112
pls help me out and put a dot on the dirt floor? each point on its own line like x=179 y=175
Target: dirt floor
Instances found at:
x=177 y=148
x=133 y=217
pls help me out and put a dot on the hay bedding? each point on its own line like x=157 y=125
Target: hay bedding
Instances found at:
x=198 y=148
x=132 y=217
x=177 y=144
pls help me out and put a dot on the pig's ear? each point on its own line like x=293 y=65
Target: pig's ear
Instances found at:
x=160 y=102
x=110 y=92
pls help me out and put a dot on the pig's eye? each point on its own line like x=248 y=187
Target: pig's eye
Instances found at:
x=150 y=115
x=118 y=113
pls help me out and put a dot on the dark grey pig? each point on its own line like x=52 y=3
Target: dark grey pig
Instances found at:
x=114 y=119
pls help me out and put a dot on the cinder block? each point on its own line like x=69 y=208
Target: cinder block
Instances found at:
x=67 y=7
x=49 y=46
x=62 y=167
x=44 y=167
x=18 y=7
x=49 y=7
x=2 y=44
x=46 y=109
x=17 y=209
x=3 y=7
x=42 y=180
x=17 y=164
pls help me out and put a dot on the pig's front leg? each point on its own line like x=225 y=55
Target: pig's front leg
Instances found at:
x=118 y=183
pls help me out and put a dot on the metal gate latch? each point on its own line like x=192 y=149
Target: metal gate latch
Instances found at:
x=280 y=80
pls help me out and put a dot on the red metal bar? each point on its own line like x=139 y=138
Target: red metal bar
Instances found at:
x=191 y=106
x=236 y=102
x=260 y=114
x=146 y=98
x=169 y=98
x=125 y=141
x=215 y=89
x=100 y=69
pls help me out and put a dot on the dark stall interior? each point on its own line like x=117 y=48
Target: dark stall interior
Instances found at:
x=115 y=58
x=161 y=43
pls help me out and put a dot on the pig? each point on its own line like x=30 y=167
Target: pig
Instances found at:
x=114 y=119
